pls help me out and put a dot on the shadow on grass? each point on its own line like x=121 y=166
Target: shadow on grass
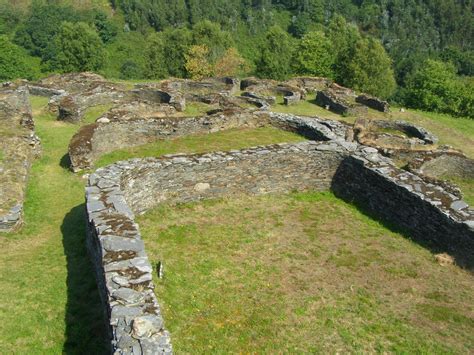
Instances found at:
x=461 y=253
x=65 y=162
x=85 y=324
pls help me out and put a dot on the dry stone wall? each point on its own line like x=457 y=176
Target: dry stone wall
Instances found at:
x=115 y=193
x=94 y=140
x=19 y=145
x=426 y=211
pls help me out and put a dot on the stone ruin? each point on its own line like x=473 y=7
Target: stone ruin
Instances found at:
x=19 y=146
x=353 y=161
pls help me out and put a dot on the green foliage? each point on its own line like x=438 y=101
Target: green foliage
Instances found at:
x=155 y=57
x=198 y=65
x=276 y=53
x=209 y=34
x=315 y=55
x=77 y=47
x=368 y=68
x=176 y=44
x=435 y=87
x=130 y=70
x=38 y=31
x=10 y=17
x=128 y=47
x=106 y=29
x=15 y=62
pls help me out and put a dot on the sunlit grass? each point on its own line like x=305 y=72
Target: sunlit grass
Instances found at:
x=301 y=273
x=224 y=140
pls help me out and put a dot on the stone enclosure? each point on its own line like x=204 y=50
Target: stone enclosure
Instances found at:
x=353 y=161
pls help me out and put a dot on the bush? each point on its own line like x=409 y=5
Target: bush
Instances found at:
x=15 y=62
x=436 y=87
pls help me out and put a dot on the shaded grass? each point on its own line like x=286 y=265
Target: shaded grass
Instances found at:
x=224 y=140
x=48 y=297
x=303 y=272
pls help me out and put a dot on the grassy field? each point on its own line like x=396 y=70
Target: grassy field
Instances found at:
x=48 y=298
x=287 y=274
x=301 y=273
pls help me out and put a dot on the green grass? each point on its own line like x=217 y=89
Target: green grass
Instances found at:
x=93 y=113
x=224 y=140
x=301 y=273
x=48 y=298
x=291 y=276
x=197 y=109
x=307 y=108
x=466 y=185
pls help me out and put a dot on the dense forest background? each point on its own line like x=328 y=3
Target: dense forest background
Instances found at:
x=419 y=53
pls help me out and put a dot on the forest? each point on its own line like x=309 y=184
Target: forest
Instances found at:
x=416 y=53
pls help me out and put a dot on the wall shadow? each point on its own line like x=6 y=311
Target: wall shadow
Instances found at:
x=462 y=254
x=85 y=320
x=65 y=162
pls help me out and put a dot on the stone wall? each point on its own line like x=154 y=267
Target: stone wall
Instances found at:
x=94 y=140
x=336 y=103
x=270 y=169
x=115 y=193
x=373 y=102
x=19 y=145
x=425 y=211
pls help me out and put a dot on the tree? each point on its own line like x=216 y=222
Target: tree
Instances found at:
x=231 y=64
x=155 y=58
x=197 y=62
x=130 y=70
x=209 y=34
x=368 y=68
x=15 y=63
x=106 y=29
x=77 y=47
x=276 y=53
x=435 y=87
x=315 y=55
x=176 y=45
x=38 y=31
x=343 y=37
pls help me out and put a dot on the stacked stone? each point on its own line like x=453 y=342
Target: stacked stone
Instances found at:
x=338 y=104
x=425 y=210
x=115 y=193
x=373 y=102
x=123 y=271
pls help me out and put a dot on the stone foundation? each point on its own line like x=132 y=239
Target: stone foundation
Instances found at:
x=97 y=139
x=19 y=146
x=117 y=192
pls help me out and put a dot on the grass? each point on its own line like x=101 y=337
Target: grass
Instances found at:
x=197 y=109
x=466 y=185
x=93 y=113
x=301 y=273
x=291 y=277
x=308 y=108
x=224 y=140
x=48 y=298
